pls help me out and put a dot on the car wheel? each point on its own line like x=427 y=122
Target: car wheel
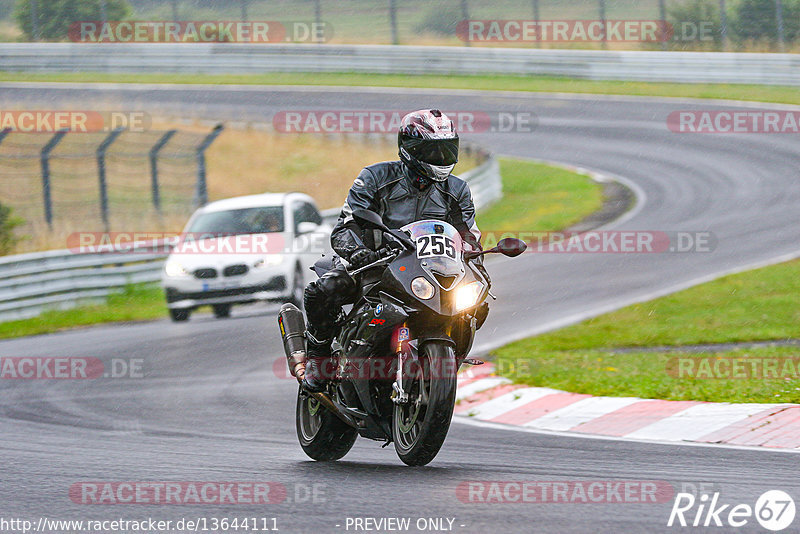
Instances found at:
x=222 y=310
x=298 y=288
x=179 y=316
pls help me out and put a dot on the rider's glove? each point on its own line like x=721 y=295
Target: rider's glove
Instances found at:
x=361 y=257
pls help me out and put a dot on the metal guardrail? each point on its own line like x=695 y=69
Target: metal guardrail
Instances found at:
x=61 y=279
x=237 y=58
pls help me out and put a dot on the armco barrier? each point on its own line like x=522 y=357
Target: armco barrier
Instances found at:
x=235 y=58
x=59 y=279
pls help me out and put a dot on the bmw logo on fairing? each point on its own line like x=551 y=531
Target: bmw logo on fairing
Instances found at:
x=378 y=309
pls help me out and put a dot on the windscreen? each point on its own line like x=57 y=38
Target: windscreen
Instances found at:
x=261 y=220
x=439 y=245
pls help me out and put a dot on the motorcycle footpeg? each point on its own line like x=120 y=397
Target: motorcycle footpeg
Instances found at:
x=474 y=361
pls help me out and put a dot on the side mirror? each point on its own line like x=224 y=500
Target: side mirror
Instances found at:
x=306 y=227
x=369 y=219
x=511 y=247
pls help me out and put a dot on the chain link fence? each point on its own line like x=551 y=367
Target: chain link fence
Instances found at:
x=61 y=183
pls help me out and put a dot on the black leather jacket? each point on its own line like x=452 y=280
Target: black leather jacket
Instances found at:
x=387 y=189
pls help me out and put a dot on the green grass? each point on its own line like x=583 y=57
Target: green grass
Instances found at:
x=135 y=303
x=758 y=93
x=751 y=306
x=540 y=198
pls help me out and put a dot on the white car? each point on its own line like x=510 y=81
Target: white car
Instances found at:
x=245 y=249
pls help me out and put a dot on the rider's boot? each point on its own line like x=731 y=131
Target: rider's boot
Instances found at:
x=318 y=364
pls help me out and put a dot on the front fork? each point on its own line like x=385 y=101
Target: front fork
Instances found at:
x=401 y=342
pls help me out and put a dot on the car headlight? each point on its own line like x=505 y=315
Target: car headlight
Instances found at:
x=173 y=268
x=468 y=295
x=269 y=261
x=422 y=288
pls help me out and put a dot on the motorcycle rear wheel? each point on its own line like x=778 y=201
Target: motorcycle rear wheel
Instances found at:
x=420 y=426
x=323 y=436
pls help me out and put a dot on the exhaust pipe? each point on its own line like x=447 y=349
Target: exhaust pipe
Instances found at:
x=293 y=327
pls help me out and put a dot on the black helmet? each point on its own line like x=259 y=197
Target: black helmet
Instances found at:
x=428 y=143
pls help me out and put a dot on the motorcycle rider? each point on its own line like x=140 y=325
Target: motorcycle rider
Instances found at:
x=419 y=186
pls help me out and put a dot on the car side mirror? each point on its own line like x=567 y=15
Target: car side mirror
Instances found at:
x=306 y=227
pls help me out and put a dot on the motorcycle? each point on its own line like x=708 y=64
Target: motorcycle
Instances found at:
x=396 y=354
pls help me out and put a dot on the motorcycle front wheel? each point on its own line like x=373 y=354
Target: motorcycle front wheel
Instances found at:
x=323 y=436
x=420 y=426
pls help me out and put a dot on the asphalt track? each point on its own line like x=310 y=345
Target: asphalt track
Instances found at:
x=211 y=408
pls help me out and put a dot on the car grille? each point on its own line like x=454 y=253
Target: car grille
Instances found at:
x=204 y=274
x=278 y=283
x=235 y=270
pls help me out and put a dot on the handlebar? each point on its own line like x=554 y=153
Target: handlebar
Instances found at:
x=388 y=256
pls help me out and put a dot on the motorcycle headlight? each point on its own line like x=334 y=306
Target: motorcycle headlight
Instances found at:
x=468 y=295
x=422 y=288
x=269 y=261
x=173 y=268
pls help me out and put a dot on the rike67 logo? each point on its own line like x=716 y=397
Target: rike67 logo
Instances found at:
x=774 y=510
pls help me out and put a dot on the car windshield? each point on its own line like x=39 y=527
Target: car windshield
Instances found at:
x=262 y=220
x=439 y=245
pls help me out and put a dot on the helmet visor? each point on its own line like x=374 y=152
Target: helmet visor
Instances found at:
x=440 y=152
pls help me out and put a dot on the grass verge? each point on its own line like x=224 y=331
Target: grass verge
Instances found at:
x=759 y=305
x=536 y=196
x=549 y=84
x=135 y=303
x=540 y=198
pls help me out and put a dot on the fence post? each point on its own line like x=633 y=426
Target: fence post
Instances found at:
x=101 y=173
x=393 y=21
x=465 y=15
x=662 y=13
x=154 y=167
x=35 y=21
x=201 y=197
x=779 y=22
x=723 y=22
x=604 y=22
x=538 y=26
x=45 y=159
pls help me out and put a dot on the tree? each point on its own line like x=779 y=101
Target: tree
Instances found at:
x=55 y=16
x=756 y=20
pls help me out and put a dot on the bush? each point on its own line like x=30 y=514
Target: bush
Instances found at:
x=441 y=20
x=8 y=222
x=755 y=20
x=55 y=16
x=696 y=22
